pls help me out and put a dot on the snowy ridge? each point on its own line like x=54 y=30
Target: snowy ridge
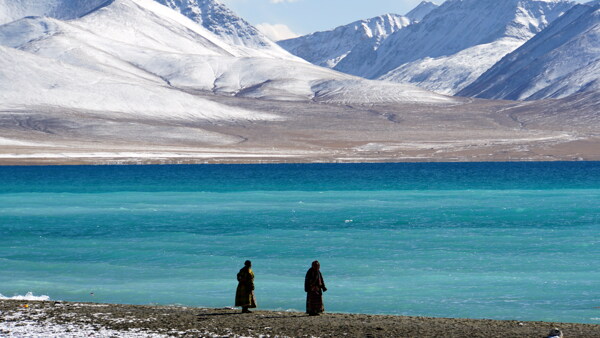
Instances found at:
x=223 y=22
x=562 y=60
x=439 y=44
x=328 y=48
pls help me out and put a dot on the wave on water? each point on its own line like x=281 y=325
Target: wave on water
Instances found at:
x=28 y=296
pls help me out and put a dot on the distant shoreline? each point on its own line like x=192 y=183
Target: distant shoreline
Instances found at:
x=22 y=318
x=130 y=162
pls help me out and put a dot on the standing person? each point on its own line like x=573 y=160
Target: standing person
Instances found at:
x=244 y=295
x=314 y=286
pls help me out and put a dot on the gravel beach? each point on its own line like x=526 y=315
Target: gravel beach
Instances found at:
x=20 y=318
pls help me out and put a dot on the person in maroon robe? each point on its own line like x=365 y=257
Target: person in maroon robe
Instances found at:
x=314 y=286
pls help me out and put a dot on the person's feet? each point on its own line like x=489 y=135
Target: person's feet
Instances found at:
x=246 y=311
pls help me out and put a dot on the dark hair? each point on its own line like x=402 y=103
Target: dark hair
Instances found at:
x=247 y=263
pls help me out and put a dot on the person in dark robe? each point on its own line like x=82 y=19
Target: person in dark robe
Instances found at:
x=244 y=295
x=314 y=286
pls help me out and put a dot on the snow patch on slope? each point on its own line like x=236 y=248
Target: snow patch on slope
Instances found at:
x=40 y=82
x=354 y=91
x=449 y=74
x=11 y=10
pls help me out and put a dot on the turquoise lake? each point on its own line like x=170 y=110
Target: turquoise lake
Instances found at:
x=475 y=240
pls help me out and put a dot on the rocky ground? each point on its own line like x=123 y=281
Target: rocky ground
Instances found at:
x=62 y=319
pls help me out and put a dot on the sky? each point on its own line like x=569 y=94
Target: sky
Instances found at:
x=280 y=19
x=302 y=17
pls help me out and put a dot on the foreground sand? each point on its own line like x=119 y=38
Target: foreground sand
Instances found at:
x=63 y=319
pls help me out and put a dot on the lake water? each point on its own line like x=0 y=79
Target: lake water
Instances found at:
x=499 y=240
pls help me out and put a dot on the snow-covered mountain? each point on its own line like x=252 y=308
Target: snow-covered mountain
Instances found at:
x=455 y=43
x=328 y=48
x=562 y=60
x=138 y=56
x=90 y=64
x=419 y=12
x=363 y=37
x=223 y=22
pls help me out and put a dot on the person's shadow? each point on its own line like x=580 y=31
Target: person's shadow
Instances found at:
x=218 y=314
x=282 y=317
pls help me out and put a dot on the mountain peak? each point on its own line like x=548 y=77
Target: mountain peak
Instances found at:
x=328 y=48
x=419 y=12
x=219 y=19
x=383 y=25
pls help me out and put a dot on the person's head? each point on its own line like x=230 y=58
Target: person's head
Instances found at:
x=248 y=264
x=316 y=265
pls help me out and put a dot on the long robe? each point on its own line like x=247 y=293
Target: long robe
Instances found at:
x=244 y=295
x=314 y=286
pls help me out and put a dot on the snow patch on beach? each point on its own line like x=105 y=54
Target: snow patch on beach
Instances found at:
x=32 y=328
x=29 y=296
x=31 y=322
